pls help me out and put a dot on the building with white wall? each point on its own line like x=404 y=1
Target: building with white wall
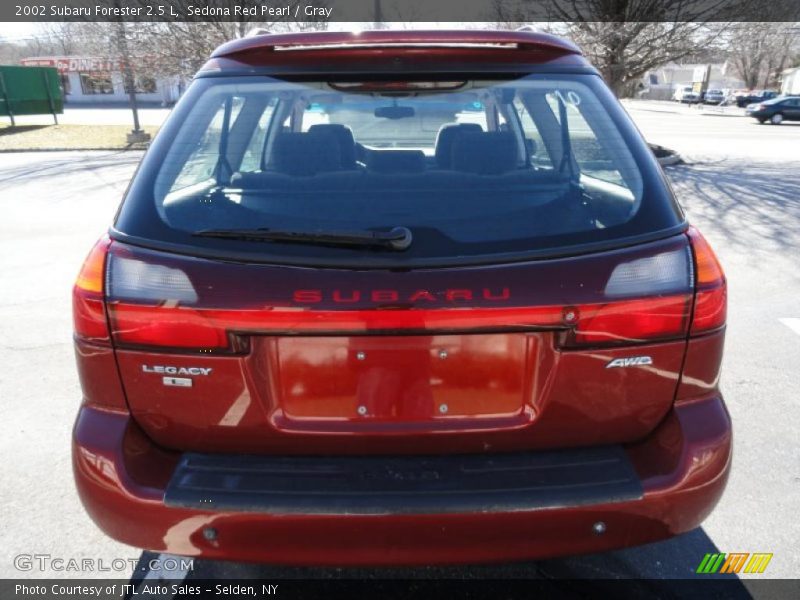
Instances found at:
x=87 y=79
x=661 y=83
x=790 y=82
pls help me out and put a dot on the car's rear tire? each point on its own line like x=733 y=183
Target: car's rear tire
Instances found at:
x=762 y=121
x=776 y=119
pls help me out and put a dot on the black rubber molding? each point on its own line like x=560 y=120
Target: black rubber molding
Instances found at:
x=404 y=484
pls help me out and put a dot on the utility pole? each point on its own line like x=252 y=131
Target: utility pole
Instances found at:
x=377 y=15
x=137 y=134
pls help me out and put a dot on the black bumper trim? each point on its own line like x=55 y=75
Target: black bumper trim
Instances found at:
x=403 y=484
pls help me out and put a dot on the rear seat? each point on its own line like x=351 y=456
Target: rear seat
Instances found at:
x=303 y=154
x=344 y=139
x=313 y=163
x=446 y=137
x=492 y=153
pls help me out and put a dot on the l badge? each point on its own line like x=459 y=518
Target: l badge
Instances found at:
x=177 y=381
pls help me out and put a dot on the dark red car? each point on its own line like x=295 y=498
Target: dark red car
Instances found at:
x=399 y=298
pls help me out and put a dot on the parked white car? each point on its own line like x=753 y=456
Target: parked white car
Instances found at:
x=686 y=94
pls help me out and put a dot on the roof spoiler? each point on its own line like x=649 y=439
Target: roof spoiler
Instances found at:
x=523 y=40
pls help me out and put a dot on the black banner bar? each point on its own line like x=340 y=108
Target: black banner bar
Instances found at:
x=705 y=588
x=382 y=11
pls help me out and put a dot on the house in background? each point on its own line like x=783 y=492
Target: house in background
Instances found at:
x=661 y=83
x=86 y=79
x=790 y=82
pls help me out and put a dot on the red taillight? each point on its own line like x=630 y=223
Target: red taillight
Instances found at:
x=710 y=310
x=208 y=329
x=172 y=327
x=711 y=297
x=157 y=304
x=635 y=320
x=88 y=308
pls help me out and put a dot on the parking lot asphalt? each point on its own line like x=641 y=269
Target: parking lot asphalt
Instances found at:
x=740 y=186
x=702 y=132
x=92 y=114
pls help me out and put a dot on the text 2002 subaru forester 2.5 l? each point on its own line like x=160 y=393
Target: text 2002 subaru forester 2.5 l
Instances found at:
x=399 y=298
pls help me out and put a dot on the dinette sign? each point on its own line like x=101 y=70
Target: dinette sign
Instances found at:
x=75 y=64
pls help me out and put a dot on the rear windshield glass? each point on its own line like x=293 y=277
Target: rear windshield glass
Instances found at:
x=468 y=167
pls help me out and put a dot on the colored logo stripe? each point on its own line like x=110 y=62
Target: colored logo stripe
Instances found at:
x=758 y=563
x=711 y=563
x=733 y=563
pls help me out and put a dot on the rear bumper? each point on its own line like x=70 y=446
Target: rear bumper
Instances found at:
x=681 y=469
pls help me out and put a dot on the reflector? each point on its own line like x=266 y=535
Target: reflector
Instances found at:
x=88 y=309
x=90 y=278
x=709 y=271
x=711 y=298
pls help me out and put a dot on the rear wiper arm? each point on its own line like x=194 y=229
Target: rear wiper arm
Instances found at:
x=567 y=156
x=399 y=238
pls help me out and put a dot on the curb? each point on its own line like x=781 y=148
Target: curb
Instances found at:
x=98 y=149
x=657 y=110
x=666 y=161
x=713 y=113
x=665 y=156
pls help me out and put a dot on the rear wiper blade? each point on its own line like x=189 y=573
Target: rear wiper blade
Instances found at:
x=398 y=238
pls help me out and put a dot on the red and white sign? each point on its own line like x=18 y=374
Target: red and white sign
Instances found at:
x=74 y=64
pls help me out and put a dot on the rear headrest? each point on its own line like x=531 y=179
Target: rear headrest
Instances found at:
x=445 y=138
x=485 y=153
x=396 y=161
x=301 y=154
x=344 y=137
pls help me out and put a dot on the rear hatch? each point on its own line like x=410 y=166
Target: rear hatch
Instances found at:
x=328 y=264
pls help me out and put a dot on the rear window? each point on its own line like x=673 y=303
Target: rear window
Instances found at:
x=470 y=167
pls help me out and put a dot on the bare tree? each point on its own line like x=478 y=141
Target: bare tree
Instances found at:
x=759 y=52
x=62 y=38
x=49 y=39
x=11 y=53
x=181 y=48
x=624 y=52
x=626 y=38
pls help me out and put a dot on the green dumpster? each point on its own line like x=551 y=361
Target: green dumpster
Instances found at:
x=30 y=91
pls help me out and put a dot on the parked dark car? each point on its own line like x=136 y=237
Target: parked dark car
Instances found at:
x=714 y=96
x=776 y=111
x=755 y=96
x=329 y=326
